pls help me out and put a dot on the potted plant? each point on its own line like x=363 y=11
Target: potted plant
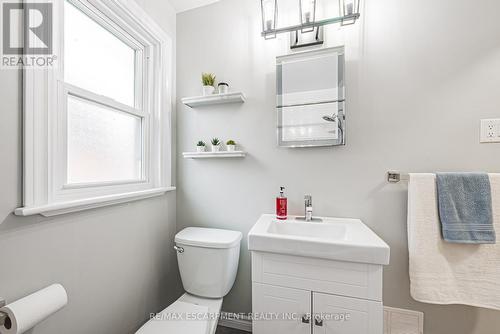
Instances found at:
x=200 y=146
x=208 y=80
x=231 y=145
x=215 y=144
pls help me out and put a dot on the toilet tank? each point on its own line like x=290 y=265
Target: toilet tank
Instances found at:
x=208 y=260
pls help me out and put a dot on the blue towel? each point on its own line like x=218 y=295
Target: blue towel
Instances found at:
x=465 y=212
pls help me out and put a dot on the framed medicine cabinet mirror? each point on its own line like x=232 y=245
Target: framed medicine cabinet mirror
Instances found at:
x=310 y=98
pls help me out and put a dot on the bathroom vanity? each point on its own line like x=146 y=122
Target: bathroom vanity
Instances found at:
x=316 y=277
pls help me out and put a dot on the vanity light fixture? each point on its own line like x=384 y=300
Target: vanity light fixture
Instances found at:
x=269 y=17
x=307 y=14
x=348 y=14
x=349 y=10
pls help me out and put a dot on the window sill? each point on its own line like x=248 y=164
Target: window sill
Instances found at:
x=89 y=203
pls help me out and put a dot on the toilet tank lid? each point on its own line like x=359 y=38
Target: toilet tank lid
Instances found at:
x=208 y=237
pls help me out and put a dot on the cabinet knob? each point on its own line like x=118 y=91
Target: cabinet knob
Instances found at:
x=318 y=321
x=306 y=318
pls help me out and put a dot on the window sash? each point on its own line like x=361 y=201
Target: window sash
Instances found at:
x=63 y=191
x=67 y=90
x=96 y=12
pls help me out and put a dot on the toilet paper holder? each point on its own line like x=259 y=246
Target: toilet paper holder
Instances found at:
x=29 y=311
x=3 y=316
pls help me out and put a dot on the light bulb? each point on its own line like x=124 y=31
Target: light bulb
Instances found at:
x=308 y=10
x=349 y=7
x=269 y=14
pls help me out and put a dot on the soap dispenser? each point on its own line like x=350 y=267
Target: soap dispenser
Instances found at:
x=281 y=205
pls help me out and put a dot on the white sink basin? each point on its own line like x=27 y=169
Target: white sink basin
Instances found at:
x=339 y=239
x=308 y=230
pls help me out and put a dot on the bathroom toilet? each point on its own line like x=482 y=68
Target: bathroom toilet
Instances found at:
x=208 y=263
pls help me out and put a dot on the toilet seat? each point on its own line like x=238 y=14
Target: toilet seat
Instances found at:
x=188 y=314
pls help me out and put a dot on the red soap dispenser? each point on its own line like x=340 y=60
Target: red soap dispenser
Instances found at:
x=281 y=205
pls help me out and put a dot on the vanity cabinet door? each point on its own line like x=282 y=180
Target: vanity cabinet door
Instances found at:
x=343 y=315
x=280 y=310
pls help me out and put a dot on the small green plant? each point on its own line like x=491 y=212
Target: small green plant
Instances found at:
x=231 y=142
x=208 y=79
x=201 y=143
x=215 y=141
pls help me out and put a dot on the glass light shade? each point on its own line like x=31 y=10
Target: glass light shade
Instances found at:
x=269 y=15
x=349 y=8
x=307 y=14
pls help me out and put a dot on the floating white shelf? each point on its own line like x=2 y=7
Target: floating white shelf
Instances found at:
x=199 y=101
x=207 y=155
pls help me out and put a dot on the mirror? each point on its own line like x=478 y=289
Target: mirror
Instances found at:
x=310 y=98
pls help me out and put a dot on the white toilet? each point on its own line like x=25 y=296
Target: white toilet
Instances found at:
x=208 y=262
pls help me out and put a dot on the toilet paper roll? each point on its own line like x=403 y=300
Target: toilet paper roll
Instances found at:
x=27 y=312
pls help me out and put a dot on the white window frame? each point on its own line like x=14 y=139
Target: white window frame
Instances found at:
x=45 y=190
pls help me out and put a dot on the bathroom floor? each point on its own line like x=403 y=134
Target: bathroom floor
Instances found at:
x=227 y=330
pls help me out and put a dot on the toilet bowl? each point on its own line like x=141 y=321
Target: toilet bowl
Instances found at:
x=208 y=263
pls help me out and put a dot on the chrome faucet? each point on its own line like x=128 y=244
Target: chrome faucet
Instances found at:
x=308 y=204
x=308 y=211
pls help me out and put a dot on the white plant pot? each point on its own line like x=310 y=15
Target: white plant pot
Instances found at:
x=208 y=90
x=200 y=149
x=231 y=148
x=223 y=89
x=215 y=148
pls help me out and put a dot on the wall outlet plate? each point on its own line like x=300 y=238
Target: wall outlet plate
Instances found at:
x=490 y=130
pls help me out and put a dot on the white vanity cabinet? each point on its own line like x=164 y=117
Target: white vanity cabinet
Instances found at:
x=269 y=302
x=322 y=277
x=346 y=315
x=300 y=295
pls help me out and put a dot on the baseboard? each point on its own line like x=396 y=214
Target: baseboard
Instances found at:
x=236 y=321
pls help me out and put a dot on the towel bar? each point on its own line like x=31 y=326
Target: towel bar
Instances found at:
x=395 y=176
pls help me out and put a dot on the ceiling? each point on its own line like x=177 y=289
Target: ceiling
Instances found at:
x=183 y=5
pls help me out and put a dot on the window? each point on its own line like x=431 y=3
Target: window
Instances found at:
x=103 y=144
x=97 y=125
x=97 y=60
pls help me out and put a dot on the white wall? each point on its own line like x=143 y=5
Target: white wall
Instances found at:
x=117 y=262
x=420 y=75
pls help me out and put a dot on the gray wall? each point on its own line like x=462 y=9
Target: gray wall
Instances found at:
x=116 y=263
x=420 y=75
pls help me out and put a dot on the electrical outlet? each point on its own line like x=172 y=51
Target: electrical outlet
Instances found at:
x=490 y=131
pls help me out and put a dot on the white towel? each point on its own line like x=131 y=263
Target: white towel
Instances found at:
x=447 y=273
